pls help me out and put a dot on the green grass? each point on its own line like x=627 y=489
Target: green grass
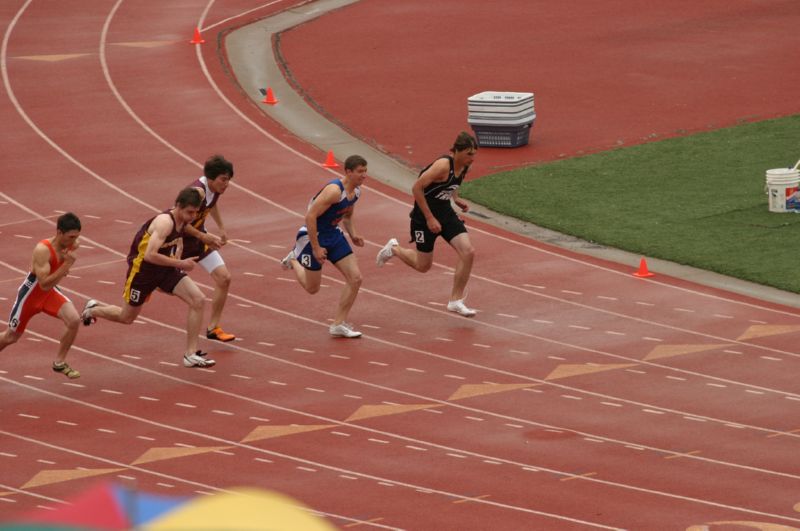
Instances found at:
x=697 y=200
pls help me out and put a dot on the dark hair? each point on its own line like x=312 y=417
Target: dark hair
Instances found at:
x=354 y=161
x=188 y=197
x=67 y=222
x=464 y=141
x=216 y=165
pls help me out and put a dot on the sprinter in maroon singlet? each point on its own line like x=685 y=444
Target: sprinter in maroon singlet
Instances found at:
x=154 y=263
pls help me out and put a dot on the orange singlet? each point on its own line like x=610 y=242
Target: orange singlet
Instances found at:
x=32 y=299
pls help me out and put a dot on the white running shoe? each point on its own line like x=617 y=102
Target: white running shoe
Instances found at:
x=195 y=360
x=344 y=330
x=385 y=254
x=286 y=263
x=460 y=308
x=86 y=314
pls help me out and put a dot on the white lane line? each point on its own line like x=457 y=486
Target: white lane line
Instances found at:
x=413 y=369
x=646 y=338
x=579 y=327
x=406 y=333
x=607 y=298
x=242 y=376
x=187 y=406
x=416 y=448
x=443 y=339
x=315 y=390
x=66 y=423
x=508 y=315
x=455 y=377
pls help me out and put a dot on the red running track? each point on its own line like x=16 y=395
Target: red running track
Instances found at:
x=580 y=396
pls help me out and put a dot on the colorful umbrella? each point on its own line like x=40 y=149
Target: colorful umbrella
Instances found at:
x=110 y=507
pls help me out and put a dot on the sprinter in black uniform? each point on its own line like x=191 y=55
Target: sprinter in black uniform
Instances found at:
x=154 y=263
x=433 y=216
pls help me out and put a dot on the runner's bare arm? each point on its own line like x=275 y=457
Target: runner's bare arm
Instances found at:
x=327 y=197
x=41 y=267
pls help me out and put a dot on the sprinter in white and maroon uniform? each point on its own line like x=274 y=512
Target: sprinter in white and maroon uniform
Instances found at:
x=39 y=293
x=154 y=263
x=217 y=174
x=433 y=216
x=321 y=239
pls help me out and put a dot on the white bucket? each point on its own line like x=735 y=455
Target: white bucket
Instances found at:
x=783 y=186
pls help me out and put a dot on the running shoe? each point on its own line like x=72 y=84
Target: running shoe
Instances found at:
x=344 y=330
x=460 y=308
x=196 y=360
x=286 y=263
x=66 y=370
x=385 y=254
x=86 y=314
x=218 y=334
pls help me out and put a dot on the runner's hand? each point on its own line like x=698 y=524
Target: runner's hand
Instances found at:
x=187 y=264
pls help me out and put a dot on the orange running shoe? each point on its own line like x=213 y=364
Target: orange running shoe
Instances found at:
x=219 y=335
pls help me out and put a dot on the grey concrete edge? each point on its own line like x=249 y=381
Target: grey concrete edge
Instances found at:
x=254 y=66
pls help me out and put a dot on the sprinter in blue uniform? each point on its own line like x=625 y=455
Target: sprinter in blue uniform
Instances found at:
x=322 y=239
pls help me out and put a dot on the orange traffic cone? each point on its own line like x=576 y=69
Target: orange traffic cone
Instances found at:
x=269 y=98
x=197 y=39
x=330 y=162
x=643 y=272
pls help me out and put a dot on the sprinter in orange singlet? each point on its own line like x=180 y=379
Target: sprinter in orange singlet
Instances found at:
x=39 y=292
